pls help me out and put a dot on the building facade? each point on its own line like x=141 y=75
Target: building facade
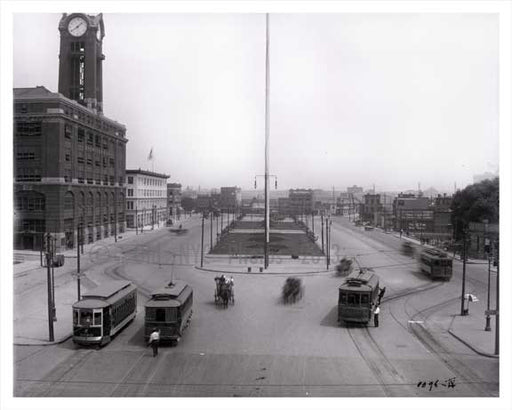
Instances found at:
x=146 y=198
x=371 y=208
x=301 y=201
x=69 y=159
x=174 y=200
x=230 y=198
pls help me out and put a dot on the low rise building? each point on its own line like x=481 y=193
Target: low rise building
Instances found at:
x=174 y=200
x=146 y=198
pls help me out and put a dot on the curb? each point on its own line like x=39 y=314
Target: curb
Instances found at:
x=492 y=356
x=262 y=273
x=45 y=343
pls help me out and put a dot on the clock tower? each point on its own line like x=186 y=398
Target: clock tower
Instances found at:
x=80 y=59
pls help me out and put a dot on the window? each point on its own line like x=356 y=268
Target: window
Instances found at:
x=68 y=157
x=89 y=161
x=26 y=155
x=67 y=131
x=28 y=129
x=80 y=160
x=89 y=138
x=81 y=135
x=97 y=318
x=130 y=180
x=130 y=192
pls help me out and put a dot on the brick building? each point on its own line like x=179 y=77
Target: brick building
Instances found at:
x=174 y=200
x=69 y=159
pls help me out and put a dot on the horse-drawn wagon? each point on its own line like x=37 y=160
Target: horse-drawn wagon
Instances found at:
x=224 y=292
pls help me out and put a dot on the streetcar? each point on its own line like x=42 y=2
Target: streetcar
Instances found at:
x=436 y=264
x=169 y=309
x=358 y=298
x=103 y=312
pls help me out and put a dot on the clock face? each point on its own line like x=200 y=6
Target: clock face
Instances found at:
x=77 y=26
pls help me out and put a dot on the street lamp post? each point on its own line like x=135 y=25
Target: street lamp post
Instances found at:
x=487 y=316
x=462 y=310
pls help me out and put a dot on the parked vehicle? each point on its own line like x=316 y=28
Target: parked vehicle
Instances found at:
x=358 y=298
x=103 y=312
x=169 y=309
x=436 y=264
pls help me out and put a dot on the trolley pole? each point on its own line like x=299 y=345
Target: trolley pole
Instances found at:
x=202 y=240
x=462 y=310
x=49 y=281
x=313 y=222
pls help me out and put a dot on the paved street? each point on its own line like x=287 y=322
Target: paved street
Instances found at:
x=261 y=347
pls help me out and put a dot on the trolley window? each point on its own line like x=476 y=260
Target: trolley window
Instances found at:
x=353 y=299
x=85 y=317
x=172 y=315
x=97 y=318
x=75 y=317
x=160 y=315
x=365 y=299
x=343 y=298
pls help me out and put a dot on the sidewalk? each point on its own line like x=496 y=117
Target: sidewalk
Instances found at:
x=30 y=289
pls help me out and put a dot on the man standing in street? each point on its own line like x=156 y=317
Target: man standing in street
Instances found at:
x=154 y=340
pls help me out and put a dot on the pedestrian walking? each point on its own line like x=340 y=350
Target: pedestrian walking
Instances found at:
x=154 y=340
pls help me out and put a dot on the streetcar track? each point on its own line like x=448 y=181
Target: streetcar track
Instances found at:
x=373 y=364
x=74 y=364
x=128 y=373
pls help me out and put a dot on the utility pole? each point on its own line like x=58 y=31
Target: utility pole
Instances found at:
x=202 y=240
x=211 y=231
x=322 y=220
x=78 y=236
x=313 y=221
x=136 y=222
x=267 y=134
x=49 y=262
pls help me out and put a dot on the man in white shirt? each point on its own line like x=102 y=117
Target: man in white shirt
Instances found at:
x=154 y=340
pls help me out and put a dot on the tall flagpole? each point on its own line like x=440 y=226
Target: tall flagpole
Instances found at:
x=267 y=132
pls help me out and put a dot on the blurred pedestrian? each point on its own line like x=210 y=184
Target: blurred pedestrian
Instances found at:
x=154 y=340
x=381 y=294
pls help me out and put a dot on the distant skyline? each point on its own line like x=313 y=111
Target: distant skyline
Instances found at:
x=355 y=99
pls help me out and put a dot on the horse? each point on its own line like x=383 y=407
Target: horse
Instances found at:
x=225 y=295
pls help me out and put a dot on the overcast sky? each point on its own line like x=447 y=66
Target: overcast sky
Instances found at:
x=384 y=99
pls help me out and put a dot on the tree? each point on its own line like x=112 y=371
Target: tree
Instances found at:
x=475 y=203
x=188 y=204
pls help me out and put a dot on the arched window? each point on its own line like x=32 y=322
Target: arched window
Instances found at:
x=69 y=200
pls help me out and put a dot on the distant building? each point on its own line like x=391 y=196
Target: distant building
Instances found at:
x=174 y=200
x=355 y=190
x=230 y=198
x=371 y=208
x=146 y=198
x=412 y=213
x=443 y=216
x=301 y=201
x=203 y=203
